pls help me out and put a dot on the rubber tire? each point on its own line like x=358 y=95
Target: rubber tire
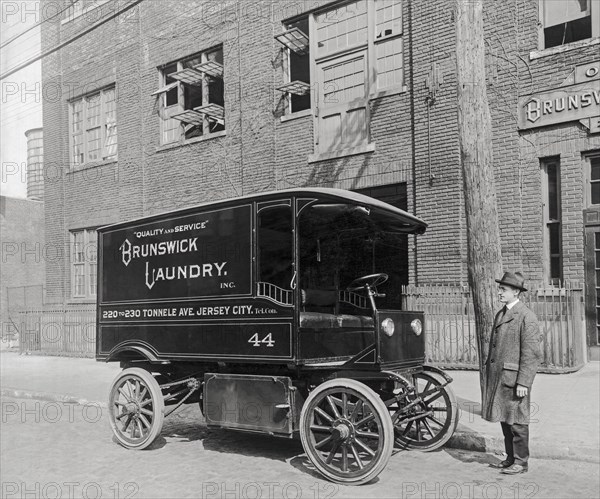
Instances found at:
x=454 y=416
x=387 y=429
x=153 y=387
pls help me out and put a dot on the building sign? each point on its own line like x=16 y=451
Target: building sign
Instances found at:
x=579 y=100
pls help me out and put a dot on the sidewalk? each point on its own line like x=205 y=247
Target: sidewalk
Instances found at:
x=565 y=413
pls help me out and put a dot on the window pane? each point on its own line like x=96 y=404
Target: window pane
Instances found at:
x=77 y=156
x=91 y=246
x=388 y=18
x=595 y=168
x=79 y=276
x=554 y=236
x=110 y=144
x=93 y=111
x=341 y=28
x=93 y=279
x=217 y=55
x=389 y=63
x=555 y=267
x=171 y=130
x=171 y=98
x=595 y=180
x=563 y=11
x=553 y=194
x=78 y=249
x=597 y=234
x=193 y=96
x=580 y=29
x=77 y=116
x=344 y=82
x=94 y=149
x=110 y=106
x=595 y=193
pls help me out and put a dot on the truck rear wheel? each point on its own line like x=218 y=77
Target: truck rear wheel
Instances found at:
x=426 y=419
x=136 y=408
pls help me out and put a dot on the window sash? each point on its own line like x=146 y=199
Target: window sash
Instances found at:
x=551 y=192
x=83 y=263
x=93 y=126
x=341 y=28
x=593 y=180
x=173 y=130
x=564 y=11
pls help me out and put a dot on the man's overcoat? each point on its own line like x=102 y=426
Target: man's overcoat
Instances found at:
x=514 y=356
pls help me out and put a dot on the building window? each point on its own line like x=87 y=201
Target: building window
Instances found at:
x=94 y=128
x=352 y=51
x=552 y=220
x=593 y=189
x=566 y=21
x=191 y=96
x=298 y=88
x=83 y=263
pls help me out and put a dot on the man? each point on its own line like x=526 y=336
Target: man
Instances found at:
x=511 y=365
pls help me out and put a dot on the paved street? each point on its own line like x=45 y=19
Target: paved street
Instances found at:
x=52 y=449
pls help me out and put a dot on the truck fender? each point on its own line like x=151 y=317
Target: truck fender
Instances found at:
x=438 y=371
x=145 y=351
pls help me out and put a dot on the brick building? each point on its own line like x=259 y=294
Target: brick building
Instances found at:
x=173 y=103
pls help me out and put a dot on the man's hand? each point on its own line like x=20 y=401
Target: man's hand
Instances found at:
x=521 y=391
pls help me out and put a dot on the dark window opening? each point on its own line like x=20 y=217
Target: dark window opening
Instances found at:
x=299 y=69
x=276 y=246
x=572 y=31
x=393 y=252
x=339 y=243
x=172 y=96
x=595 y=180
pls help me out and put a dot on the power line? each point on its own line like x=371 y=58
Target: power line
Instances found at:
x=19 y=35
x=70 y=40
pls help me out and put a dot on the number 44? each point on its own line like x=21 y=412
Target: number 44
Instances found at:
x=267 y=340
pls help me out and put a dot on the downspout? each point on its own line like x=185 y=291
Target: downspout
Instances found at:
x=412 y=130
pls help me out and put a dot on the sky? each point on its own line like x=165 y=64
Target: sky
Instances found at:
x=21 y=100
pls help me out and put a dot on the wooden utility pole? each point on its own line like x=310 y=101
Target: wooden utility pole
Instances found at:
x=475 y=138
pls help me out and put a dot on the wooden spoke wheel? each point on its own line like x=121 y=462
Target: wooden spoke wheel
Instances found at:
x=346 y=431
x=426 y=418
x=136 y=408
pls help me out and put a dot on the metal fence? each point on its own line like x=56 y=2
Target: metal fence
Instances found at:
x=451 y=338
x=58 y=330
x=450 y=321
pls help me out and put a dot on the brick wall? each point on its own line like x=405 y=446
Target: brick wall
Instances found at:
x=415 y=138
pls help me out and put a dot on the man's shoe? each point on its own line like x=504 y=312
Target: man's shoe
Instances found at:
x=502 y=464
x=514 y=469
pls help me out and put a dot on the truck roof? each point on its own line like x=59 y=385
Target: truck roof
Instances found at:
x=398 y=219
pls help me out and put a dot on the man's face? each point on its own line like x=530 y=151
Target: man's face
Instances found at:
x=507 y=294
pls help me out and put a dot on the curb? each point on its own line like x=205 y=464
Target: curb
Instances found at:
x=49 y=397
x=463 y=438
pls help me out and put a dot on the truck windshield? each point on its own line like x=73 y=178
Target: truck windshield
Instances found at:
x=338 y=243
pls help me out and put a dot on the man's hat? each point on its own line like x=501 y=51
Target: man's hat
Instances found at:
x=515 y=280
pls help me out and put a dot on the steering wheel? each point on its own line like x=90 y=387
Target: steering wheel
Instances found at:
x=372 y=280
